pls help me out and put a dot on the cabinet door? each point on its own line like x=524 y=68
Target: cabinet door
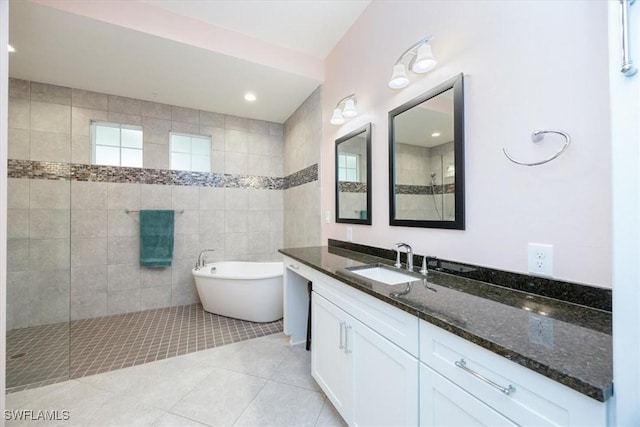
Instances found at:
x=384 y=380
x=329 y=362
x=444 y=404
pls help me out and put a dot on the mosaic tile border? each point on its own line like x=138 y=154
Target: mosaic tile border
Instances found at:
x=31 y=169
x=352 y=187
x=303 y=176
x=425 y=189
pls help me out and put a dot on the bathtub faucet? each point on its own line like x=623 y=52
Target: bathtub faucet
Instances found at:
x=200 y=261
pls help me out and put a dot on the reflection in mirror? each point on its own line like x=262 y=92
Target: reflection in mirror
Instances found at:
x=353 y=177
x=426 y=145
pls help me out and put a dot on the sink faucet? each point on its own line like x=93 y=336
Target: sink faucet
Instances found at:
x=397 y=247
x=200 y=261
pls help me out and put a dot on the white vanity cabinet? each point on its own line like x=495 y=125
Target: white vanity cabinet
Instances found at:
x=464 y=384
x=368 y=378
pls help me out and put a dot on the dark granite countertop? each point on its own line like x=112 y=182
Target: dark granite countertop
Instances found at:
x=576 y=349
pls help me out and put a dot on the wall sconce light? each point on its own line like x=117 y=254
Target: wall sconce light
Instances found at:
x=421 y=61
x=347 y=110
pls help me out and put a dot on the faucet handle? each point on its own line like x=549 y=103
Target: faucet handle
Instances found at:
x=398 y=264
x=424 y=266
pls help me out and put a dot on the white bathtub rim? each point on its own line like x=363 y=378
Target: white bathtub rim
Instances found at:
x=238 y=273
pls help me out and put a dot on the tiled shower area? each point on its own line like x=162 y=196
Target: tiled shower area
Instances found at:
x=78 y=302
x=48 y=354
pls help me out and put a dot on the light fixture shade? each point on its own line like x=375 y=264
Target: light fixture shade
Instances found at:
x=424 y=60
x=337 y=118
x=399 y=77
x=349 y=108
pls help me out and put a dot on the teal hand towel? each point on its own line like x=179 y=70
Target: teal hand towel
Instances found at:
x=156 y=238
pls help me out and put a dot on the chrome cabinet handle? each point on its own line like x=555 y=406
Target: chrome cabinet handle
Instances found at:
x=462 y=364
x=342 y=340
x=347 y=350
x=294 y=267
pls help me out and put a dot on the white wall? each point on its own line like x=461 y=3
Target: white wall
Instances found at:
x=625 y=138
x=528 y=66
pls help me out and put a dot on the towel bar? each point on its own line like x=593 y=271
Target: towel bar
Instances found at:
x=136 y=210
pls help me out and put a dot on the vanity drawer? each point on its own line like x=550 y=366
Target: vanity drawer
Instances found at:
x=396 y=325
x=522 y=395
x=298 y=268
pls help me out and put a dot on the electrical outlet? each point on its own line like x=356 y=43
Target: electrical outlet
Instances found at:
x=349 y=234
x=540 y=330
x=540 y=259
x=327 y=217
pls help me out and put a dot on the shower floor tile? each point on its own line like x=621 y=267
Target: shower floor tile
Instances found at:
x=40 y=355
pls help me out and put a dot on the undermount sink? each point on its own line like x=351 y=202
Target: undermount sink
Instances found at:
x=383 y=274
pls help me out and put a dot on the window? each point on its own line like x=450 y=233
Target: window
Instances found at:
x=348 y=167
x=113 y=144
x=190 y=152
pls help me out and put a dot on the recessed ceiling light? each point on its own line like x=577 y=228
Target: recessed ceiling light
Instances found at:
x=10 y=48
x=435 y=134
x=249 y=97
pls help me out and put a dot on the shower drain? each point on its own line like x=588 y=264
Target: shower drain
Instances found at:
x=17 y=356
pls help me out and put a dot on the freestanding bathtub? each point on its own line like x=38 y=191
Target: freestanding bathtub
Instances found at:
x=243 y=290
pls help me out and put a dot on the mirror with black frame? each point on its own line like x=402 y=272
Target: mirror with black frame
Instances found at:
x=426 y=159
x=353 y=177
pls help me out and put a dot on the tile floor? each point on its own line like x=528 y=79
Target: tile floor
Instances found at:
x=113 y=342
x=257 y=382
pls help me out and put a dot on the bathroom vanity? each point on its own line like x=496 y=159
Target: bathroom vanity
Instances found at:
x=445 y=349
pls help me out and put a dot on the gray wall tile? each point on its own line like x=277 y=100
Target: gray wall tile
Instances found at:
x=235 y=222
x=88 y=195
x=236 y=199
x=155 y=298
x=185 y=197
x=181 y=272
x=187 y=222
x=185 y=246
x=123 y=302
x=48 y=254
x=156 y=131
x=155 y=110
x=123 y=196
x=86 y=99
x=19 y=88
x=18 y=193
x=50 y=117
x=127 y=119
x=122 y=224
x=258 y=221
x=17 y=255
x=81 y=120
x=236 y=244
x=49 y=223
x=80 y=149
x=211 y=198
x=89 y=223
x=19 y=113
x=188 y=115
x=19 y=144
x=236 y=163
x=237 y=123
x=236 y=141
x=91 y=279
x=259 y=126
x=212 y=222
x=182 y=295
x=49 y=194
x=208 y=118
x=123 y=250
x=122 y=277
x=156 y=156
x=155 y=197
x=17 y=223
x=120 y=104
x=50 y=93
x=87 y=251
x=155 y=277
x=50 y=146
x=185 y=127
x=88 y=305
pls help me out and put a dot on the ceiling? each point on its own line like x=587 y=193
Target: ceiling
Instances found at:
x=197 y=54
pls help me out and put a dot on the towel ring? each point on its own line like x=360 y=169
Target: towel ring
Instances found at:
x=536 y=137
